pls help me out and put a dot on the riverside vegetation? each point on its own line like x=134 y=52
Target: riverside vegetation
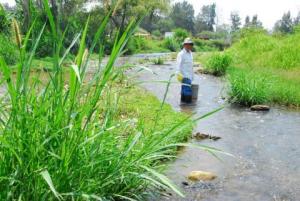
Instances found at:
x=74 y=135
x=263 y=68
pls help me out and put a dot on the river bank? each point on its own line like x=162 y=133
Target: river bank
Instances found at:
x=265 y=145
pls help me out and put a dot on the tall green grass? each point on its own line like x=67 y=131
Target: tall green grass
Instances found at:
x=60 y=138
x=218 y=64
x=261 y=86
x=264 y=68
x=267 y=68
x=257 y=48
x=248 y=87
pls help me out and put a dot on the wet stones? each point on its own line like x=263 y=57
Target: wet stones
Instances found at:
x=260 y=108
x=201 y=176
x=203 y=136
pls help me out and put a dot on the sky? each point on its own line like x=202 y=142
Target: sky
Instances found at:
x=268 y=11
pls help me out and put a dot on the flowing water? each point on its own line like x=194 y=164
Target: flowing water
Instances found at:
x=266 y=166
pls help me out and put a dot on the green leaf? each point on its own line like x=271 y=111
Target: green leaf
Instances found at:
x=46 y=176
x=76 y=71
x=69 y=48
x=164 y=180
x=79 y=57
x=50 y=18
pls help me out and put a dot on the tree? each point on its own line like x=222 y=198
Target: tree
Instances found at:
x=156 y=11
x=235 y=21
x=255 y=23
x=297 y=20
x=285 y=25
x=247 y=22
x=125 y=9
x=4 y=23
x=205 y=20
x=183 y=16
x=165 y=24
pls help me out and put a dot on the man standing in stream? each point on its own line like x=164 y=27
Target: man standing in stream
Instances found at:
x=185 y=70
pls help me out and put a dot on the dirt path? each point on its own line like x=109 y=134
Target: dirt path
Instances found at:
x=266 y=166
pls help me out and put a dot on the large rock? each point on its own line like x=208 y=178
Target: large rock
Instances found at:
x=260 y=108
x=201 y=176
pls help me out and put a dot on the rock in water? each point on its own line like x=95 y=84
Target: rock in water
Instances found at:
x=201 y=176
x=260 y=108
x=185 y=183
x=203 y=136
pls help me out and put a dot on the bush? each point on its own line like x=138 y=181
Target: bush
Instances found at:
x=247 y=87
x=203 y=46
x=143 y=45
x=135 y=45
x=171 y=44
x=158 y=61
x=208 y=35
x=210 y=45
x=8 y=50
x=218 y=63
x=156 y=33
x=180 y=34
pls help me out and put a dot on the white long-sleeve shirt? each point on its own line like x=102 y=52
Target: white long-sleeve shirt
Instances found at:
x=185 y=63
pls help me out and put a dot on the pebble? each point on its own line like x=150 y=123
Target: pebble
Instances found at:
x=201 y=176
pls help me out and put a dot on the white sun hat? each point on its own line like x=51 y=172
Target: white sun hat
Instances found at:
x=188 y=41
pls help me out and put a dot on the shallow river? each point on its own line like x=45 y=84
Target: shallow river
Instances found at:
x=266 y=166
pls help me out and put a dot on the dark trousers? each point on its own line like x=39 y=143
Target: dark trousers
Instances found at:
x=186 y=91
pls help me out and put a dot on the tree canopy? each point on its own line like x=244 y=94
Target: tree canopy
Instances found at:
x=182 y=15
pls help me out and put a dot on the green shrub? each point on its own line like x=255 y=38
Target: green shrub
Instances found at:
x=210 y=45
x=203 y=46
x=180 y=34
x=134 y=45
x=171 y=44
x=207 y=35
x=218 y=63
x=8 y=50
x=143 y=45
x=158 y=61
x=156 y=33
x=247 y=87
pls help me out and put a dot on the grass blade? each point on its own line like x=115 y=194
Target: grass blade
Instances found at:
x=164 y=180
x=46 y=176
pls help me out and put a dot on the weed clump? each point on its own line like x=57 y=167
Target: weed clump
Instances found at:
x=247 y=87
x=61 y=138
x=218 y=63
x=171 y=44
x=158 y=61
